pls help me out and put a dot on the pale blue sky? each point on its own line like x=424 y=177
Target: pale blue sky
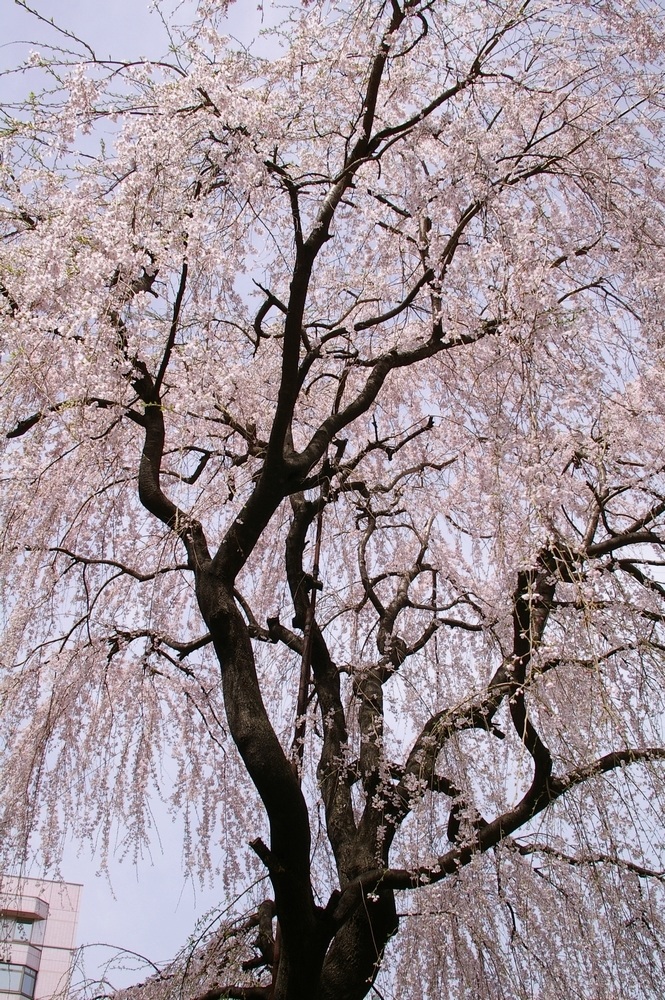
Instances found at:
x=117 y=28
x=150 y=907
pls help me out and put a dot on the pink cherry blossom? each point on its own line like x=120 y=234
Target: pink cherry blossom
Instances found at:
x=333 y=507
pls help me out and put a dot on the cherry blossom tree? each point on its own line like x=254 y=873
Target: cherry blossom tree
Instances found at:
x=333 y=500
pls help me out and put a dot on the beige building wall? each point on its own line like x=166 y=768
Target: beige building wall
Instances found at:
x=37 y=937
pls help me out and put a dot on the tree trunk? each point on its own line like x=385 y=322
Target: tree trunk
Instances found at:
x=354 y=957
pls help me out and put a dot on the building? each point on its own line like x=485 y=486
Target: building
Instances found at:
x=37 y=931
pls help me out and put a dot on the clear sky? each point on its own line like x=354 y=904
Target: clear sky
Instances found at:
x=149 y=907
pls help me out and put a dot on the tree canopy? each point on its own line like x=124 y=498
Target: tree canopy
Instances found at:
x=333 y=492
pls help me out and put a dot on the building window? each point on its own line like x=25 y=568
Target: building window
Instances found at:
x=16 y=929
x=21 y=930
x=17 y=979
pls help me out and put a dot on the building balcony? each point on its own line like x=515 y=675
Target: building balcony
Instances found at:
x=23 y=907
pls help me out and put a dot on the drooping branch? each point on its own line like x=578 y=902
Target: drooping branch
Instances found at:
x=380 y=369
x=591 y=859
x=313 y=585
x=489 y=834
x=334 y=782
x=622 y=541
x=421 y=761
x=173 y=329
x=151 y=494
x=237 y=993
x=532 y=605
x=78 y=558
x=27 y=423
x=158 y=639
